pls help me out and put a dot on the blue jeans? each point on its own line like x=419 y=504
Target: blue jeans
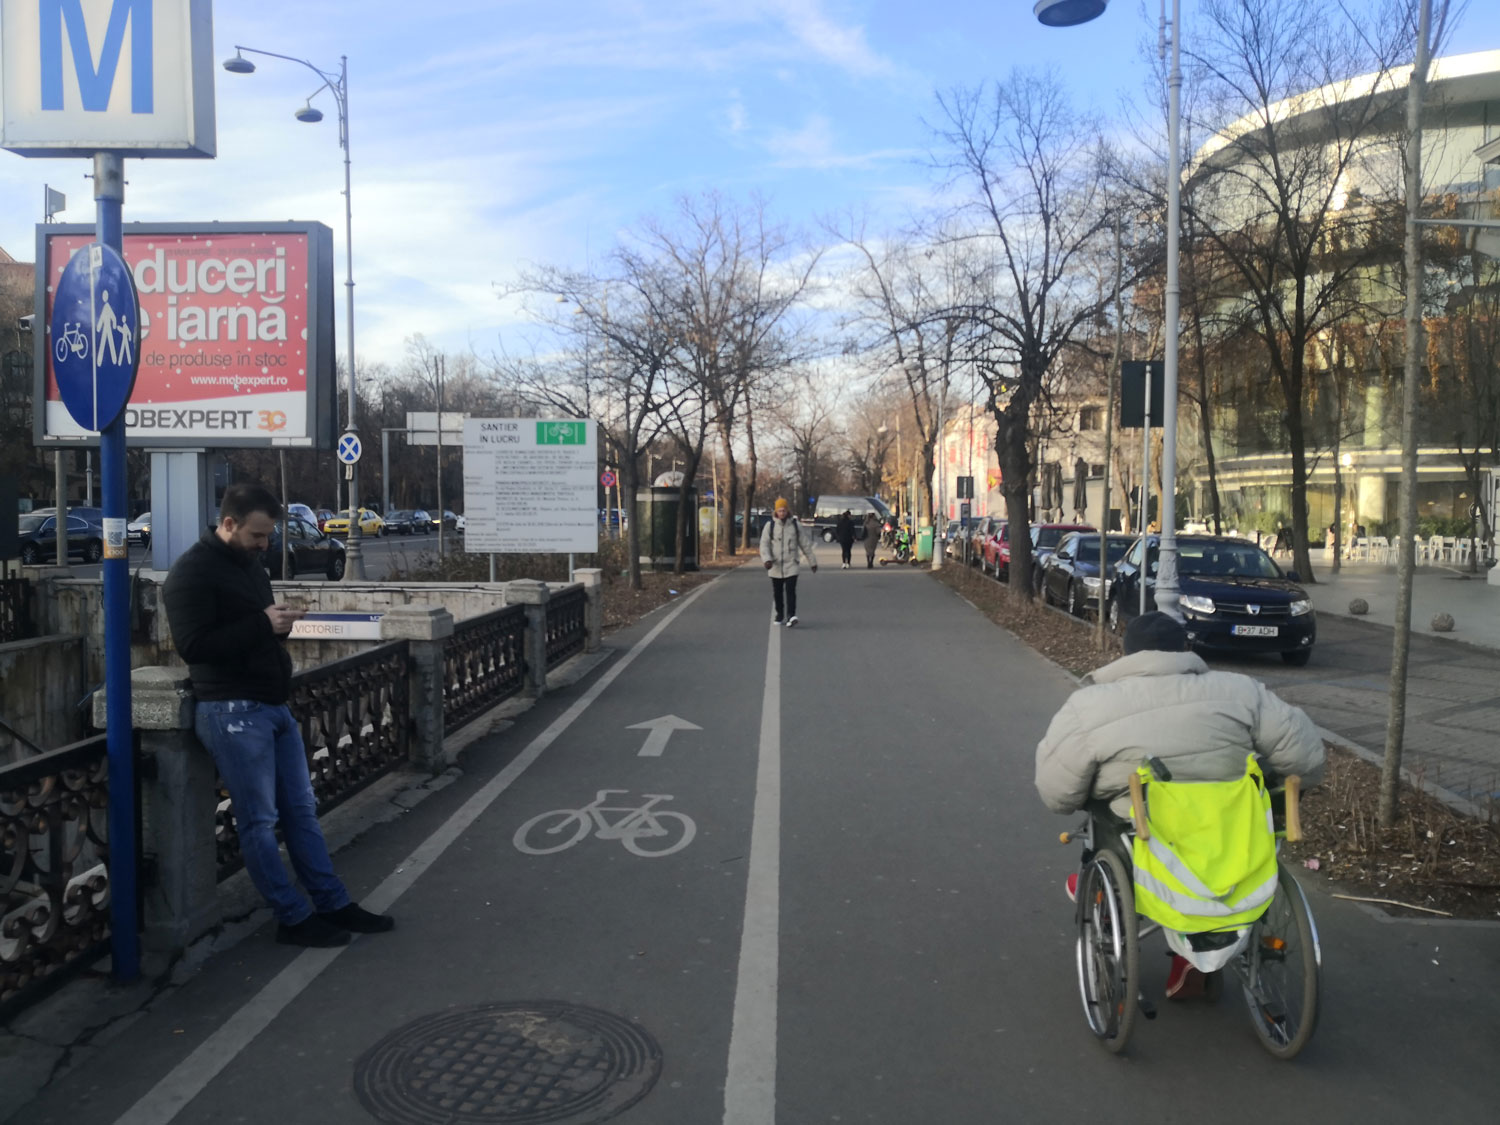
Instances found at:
x=260 y=756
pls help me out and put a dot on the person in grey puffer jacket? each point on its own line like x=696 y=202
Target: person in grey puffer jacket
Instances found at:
x=1161 y=701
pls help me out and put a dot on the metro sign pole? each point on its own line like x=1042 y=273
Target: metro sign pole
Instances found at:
x=157 y=107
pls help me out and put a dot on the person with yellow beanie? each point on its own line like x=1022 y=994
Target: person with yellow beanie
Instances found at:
x=782 y=544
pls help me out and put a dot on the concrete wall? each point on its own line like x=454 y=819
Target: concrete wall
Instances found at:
x=72 y=605
x=41 y=683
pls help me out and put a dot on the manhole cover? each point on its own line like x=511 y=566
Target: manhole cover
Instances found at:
x=529 y=1061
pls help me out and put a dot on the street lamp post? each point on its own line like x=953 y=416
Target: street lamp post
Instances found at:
x=338 y=86
x=1067 y=13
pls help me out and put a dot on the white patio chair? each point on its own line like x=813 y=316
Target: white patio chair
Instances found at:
x=1380 y=549
x=1361 y=551
x=1418 y=548
x=1460 y=553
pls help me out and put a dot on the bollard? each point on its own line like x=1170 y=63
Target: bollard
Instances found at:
x=179 y=800
x=424 y=628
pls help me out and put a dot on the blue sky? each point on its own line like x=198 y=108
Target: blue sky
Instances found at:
x=491 y=134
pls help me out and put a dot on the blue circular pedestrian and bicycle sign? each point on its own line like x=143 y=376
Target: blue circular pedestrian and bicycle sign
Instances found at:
x=95 y=340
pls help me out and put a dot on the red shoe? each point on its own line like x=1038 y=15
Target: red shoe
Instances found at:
x=1184 y=982
x=1072 y=887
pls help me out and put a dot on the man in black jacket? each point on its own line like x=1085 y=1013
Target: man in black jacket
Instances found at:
x=224 y=623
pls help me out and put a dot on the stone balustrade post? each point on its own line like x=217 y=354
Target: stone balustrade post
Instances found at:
x=179 y=800
x=534 y=596
x=425 y=628
x=593 y=614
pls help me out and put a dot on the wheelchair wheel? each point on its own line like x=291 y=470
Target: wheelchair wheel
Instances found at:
x=1109 y=949
x=1280 y=970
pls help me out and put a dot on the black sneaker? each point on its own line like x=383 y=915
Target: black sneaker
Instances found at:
x=357 y=919
x=314 y=932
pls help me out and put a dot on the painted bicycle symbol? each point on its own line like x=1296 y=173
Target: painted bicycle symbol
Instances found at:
x=560 y=829
x=72 y=340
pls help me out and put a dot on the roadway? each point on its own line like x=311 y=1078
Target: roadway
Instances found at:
x=382 y=555
x=868 y=923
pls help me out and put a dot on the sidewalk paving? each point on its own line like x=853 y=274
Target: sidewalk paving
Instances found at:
x=1452 y=737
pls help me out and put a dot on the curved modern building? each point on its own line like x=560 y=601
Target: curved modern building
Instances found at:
x=1345 y=142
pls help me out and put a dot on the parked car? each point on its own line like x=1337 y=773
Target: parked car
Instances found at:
x=987 y=538
x=37 y=539
x=449 y=518
x=1071 y=576
x=310 y=551
x=458 y=525
x=828 y=509
x=138 y=530
x=369 y=523
x=302 y=511
x=408 y=521
x=1044 y=540
x=1233 y=595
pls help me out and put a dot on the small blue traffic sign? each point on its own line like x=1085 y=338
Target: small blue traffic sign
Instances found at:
x=349 y=448
x=95 y=335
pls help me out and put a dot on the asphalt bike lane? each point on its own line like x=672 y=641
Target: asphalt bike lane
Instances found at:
x=927 y=954
x=609 y=876
x=646 y=938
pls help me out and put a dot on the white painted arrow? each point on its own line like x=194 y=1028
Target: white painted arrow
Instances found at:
x=661 y=729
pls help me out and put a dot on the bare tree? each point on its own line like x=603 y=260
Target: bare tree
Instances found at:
x=1032 y=168
x=1271 y=195
x=731 y=281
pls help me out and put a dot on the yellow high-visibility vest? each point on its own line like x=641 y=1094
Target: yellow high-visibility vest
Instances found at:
x=1210 y=863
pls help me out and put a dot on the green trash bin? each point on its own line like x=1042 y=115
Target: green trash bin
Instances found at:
x=924 y=543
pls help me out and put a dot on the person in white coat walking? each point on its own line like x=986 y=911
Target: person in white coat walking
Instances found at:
x=782 y=545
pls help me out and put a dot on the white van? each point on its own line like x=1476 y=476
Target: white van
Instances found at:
x=828 y=509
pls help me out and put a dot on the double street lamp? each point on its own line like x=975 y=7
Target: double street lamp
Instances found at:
x=1068 y=13
x=338 y=86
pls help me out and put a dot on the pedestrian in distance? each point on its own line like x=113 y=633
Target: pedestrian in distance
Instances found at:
x=1283 y=544
x=225 y=623
x=782 y=546
x=843 y=531
x=872 y=538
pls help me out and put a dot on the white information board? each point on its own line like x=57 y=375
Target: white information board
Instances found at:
x=530 y=485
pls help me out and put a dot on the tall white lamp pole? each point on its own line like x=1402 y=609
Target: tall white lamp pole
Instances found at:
x=1067 y=13
x=338 y=86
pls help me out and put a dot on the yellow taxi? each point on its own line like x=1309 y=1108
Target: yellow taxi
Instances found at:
x=369 y=523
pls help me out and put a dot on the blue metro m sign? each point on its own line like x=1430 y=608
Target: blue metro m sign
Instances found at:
x=95 y=86
x=150 y=92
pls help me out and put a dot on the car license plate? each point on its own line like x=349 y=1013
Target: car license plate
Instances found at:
x=1254 y=630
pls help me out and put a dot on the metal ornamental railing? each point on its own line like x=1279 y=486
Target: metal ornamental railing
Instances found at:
x=15 y=610
x=54 y=878
x=567 y=629
x=356 y=727
x=484 y=662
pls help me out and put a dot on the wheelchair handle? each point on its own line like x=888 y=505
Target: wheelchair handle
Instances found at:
x=1138 y=807
x=1293 y=810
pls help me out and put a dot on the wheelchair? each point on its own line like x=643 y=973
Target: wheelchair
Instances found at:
x=1278 y=962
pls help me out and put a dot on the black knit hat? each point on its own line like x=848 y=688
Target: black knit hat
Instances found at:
x=1155 y=632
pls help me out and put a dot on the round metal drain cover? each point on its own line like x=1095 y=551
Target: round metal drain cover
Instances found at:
x=528 y=1061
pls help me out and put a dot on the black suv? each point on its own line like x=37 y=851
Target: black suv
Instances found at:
x=1234 y=597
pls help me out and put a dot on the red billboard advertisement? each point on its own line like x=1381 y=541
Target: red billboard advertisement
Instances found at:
x=236 y=335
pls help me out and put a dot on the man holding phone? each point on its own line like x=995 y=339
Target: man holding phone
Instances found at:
x=226 y=625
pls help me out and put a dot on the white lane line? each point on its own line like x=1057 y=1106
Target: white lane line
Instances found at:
x=750 y=1086
x=190 y=1077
